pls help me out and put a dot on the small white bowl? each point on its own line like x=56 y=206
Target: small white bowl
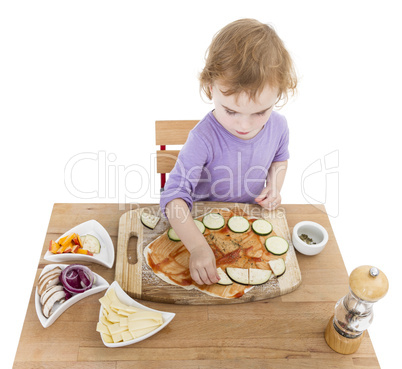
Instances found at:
x=313 y=230
x=106 y=255
x=126 y=299
x=99 y=285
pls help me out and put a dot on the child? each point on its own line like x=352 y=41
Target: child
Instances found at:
x=239 y=145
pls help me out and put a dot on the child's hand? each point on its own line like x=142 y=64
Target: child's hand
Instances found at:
x=268 y=199
x=203 y=265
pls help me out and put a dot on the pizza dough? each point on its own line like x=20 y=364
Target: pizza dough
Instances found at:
x=169 y=259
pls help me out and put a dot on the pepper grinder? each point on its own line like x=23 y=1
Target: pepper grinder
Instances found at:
x=354 y=312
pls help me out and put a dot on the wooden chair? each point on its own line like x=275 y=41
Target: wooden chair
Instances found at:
x=170 y=132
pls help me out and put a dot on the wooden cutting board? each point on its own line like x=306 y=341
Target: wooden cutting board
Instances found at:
x=139 y=281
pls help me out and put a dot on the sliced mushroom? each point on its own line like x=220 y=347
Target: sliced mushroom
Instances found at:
x=50 y=301
x=49 y=291
x=51 y=271
x=50 y=280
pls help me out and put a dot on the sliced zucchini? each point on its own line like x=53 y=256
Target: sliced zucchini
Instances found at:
x=238 y=224
x=278 y=266
x=91 y=243
x=214 y=221
x=225 y=280
x=238 y=275
x=262 y=227
x=276 y=245
x=200 y=225
x=258 y=276
x=173 y=235
x=148 y=220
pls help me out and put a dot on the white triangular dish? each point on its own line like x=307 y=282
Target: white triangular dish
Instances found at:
x=126 y=299
x=106 y=254
x=99 y=285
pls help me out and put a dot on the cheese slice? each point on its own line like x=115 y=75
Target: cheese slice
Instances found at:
x=124 y=313
x=123 y=322
x=101 y=328
x=116 y=328
x=117 y=337
x=146 y=315
x=119 y=307
x=142 y=324
x=104 y=321
x=113 y=317
x=142 y=332
x=105 y=302
x=111 y=294
x=127 y=336
x=107 y=338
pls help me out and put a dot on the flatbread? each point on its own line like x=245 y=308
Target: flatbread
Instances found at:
x=169 y=260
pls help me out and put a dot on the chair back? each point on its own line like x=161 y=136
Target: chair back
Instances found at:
x=170 y=132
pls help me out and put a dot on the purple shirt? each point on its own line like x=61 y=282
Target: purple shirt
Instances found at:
x=215 y=165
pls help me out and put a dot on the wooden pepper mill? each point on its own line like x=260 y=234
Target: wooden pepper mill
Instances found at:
x=354 y=312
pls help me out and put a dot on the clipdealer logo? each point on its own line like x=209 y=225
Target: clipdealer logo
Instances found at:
x=91 y=175
x=103 y=178
x=320 y=183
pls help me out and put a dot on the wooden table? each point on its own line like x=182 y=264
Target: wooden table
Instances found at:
x=284 y=332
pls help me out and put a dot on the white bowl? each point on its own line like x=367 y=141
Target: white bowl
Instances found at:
x=313 y=230
x=126 y=299
x=99 y=285
x=106 y=255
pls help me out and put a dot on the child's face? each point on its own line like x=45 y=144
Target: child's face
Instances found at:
x=243 y=117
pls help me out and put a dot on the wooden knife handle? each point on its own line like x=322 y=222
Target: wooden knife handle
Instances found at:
x=129 y=226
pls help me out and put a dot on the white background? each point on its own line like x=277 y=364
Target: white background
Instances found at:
x=92 y=77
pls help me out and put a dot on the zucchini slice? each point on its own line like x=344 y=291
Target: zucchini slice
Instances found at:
x=276 y=245
x=262 y=227
x=214 y=221
x=200 y=225
x=91 y=243
x=238 y=275
x=278 y=266
x=258 y=276
x=238 y=224
x=250 y=276
x=225 y=280
x=173 y=235
x=148 y=220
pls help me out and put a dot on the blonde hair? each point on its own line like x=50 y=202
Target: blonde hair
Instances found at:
x=246 y=55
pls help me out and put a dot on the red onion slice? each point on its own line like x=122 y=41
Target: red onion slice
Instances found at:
x=85 y=279
x=77 y=278
x=73 y=278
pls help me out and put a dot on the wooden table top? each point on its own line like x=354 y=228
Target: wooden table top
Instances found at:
x=283 y=332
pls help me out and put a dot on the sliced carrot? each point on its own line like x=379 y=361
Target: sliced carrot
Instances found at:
x=75 y=249
x=79 y=240
x=84 y=252
x=68 y=249
x=68 y=239
x=64 y=247
x=62 y=240
x=60 y=250
x=53 y=247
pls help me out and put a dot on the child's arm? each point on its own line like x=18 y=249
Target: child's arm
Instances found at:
x=270 y=197
x=202 y=259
